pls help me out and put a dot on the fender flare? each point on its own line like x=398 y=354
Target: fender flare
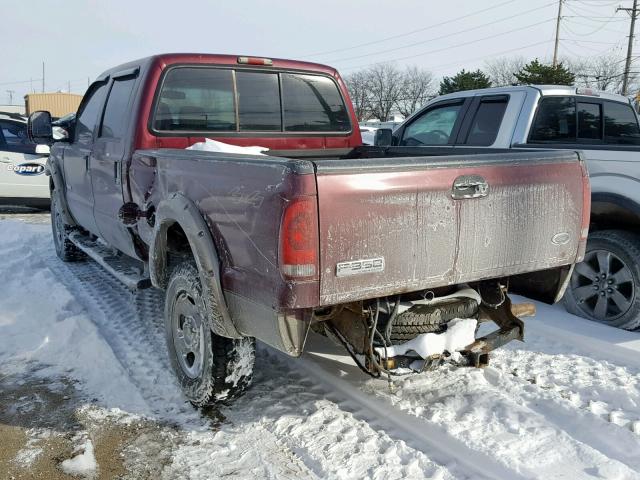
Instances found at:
x=181 y=210
x=618 y=200
x=52 y=169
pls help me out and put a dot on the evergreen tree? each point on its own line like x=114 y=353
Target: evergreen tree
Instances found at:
x=464 y=80
x=536 y=73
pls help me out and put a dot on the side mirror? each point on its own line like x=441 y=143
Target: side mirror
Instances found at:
x=39 y=127
x=43 y=150
x=383 y=138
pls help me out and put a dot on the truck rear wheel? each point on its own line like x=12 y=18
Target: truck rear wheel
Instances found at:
x=210 y=368
x=605 y=287
x=65 y=249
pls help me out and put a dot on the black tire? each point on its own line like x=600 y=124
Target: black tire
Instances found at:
x=66 y=251
x=210 y=369
x=430 y=318
x=606 y=286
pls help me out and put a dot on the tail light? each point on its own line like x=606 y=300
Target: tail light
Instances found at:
x=299 y=239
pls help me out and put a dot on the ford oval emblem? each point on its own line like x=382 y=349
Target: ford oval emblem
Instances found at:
x=561 y=238
x=27 y=169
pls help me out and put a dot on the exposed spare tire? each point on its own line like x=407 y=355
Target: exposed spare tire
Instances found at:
x=430 y=318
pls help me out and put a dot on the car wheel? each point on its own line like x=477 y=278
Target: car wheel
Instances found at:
x=65 y=249
x=210 y=368
x=605 y=286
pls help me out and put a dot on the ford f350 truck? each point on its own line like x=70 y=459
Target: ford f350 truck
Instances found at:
x=320 y=233
x=604 y=126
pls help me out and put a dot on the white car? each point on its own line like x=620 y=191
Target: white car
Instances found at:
x=22 y=164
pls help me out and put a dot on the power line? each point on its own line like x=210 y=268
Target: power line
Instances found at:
x=402 y=47
x=457 y=45
x=374 y=42
x=21 y=81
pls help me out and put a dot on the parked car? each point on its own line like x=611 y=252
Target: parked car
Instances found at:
x=22 y=164
x=604 y=126
x=321 y=232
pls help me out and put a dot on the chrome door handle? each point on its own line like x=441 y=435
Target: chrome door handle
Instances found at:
x=469 y=186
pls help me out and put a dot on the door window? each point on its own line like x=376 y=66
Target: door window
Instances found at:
x=114 y=121
x=14 y=138
x=486 y=122
x=555 y=120
x=88 y=117
x=433 y=128
x=196 y=99
x=589 y=121
x=312 y=103
x=258 y=101
x=620 y=124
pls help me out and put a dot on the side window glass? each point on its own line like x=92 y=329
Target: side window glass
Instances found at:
x=433 y=128
x=486 y=122
x=197 y=100
x=555 y=120
x=589 y=121
x=312 y=103
x=258 y=101
x=88 y=117
x=114 y=121
x=620 y=124
x=14 y=133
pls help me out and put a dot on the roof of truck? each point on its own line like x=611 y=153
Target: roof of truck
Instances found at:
x=543 y=89
x=166 y=59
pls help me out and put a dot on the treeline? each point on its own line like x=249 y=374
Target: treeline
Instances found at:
x=383 y=90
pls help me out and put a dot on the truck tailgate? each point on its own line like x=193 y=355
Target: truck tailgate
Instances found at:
x=392 y=225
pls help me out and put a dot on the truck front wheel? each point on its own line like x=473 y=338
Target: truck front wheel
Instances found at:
x=606 y=286
x=210 y=368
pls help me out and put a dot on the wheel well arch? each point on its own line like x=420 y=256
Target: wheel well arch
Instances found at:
x=613 y=211
x=180 y=230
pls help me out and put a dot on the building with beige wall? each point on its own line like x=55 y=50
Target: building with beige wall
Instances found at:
x=58 y=103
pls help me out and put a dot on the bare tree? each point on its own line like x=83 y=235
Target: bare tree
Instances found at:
x=358 y=85
x=417 y=88
x=384 y=82
x=603 y=72
x=502 y=70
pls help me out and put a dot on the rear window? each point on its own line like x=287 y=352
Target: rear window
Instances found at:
x=196 y=99
x=486 y=122
x=258 y=101
x=312 y=104
x=589 y=121
x=206 y=99
x=620 y=124
x=555 y=120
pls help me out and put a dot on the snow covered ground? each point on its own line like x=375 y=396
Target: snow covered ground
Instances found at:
x=86 y=392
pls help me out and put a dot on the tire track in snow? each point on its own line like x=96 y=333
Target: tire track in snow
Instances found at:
x=422 y=435
x=272 y=413
x=485 y=419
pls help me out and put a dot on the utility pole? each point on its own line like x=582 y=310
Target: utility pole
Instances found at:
x=555 y=48
x=633 y=13
x=11 y=92
x=42 y=77
x=68 y=86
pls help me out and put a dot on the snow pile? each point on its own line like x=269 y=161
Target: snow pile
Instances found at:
x=459 y=334
x=84 y=464
x=213 y=146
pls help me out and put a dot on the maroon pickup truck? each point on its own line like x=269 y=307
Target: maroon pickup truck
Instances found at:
x=369 y=246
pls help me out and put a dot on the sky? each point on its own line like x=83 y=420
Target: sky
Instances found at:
x=77 y=40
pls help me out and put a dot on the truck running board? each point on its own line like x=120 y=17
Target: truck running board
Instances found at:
x=125 y=269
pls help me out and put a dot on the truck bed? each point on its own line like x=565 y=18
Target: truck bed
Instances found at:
x=397 y=212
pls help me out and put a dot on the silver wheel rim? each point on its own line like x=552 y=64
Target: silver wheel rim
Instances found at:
x=188 y=335
x=603 y=286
